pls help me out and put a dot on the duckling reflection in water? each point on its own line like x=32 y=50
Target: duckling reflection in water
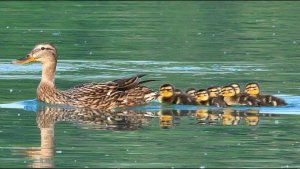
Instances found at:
x=167 y=95
x=230 y=117
x=202 y=97
x=253 y=90
x=207 y=116
x=202 y=116
x=251 y=117
x=166 y=118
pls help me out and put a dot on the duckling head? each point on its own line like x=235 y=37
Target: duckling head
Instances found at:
x=236 y=87
x=43 y=52
x=201 y=95
x=178 y=91
x=228 y=91
x=166 y=91
x=191 y=91
x=252 y=88
x=213 y=91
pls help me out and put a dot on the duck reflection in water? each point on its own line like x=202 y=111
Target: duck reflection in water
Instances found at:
x=230 y=117
x=207 y=116
x=166 y=118
x=42 y=157
x=251 y=117
x=227 y=116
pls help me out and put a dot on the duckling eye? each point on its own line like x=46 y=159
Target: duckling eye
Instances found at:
x=42 y=48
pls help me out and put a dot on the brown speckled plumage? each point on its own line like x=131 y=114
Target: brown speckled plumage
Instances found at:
x=109 y=95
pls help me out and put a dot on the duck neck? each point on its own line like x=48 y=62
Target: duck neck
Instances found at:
x=48 y=74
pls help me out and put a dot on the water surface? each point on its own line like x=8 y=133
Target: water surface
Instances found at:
x=188 y=44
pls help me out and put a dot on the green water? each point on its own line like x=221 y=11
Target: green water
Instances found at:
x=188 y=44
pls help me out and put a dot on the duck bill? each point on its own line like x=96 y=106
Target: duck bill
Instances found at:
x=24 y=60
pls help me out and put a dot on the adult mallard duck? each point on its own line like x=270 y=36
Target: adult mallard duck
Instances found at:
x=109 y=95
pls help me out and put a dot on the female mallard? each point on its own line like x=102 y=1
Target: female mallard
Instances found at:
x=117 y=93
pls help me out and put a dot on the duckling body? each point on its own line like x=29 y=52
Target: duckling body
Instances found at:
x=202 y=97
x=232 y=99
x=109 y=95
x=215 y=99
x=253 y=90
x=167 y=95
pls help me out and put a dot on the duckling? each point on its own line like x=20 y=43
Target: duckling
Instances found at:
x=215 y=99
x=202 y=97
x=232 y=99
x=253 y=90
x=178 y=91
x=167 y=95
x=236 y=87
x=191 y=92
x=230 y=117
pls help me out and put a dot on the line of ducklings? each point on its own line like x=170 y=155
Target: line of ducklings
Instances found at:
x=228 y=95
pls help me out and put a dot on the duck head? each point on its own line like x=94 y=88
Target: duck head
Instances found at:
x=166 y=91
x=201 y=95
x=43 y=52
x=252 y=88
x=228 y=91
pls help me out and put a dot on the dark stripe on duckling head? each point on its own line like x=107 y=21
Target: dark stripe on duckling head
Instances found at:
x=228 y=91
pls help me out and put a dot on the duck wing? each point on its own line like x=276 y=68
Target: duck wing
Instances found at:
x=117 y=93
x=129 y=83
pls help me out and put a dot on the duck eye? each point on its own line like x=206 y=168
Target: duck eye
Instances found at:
x=42 y=48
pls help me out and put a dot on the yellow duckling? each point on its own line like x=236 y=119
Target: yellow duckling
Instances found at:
x=202 y=97
x=253 y=90
x=109 y=95
x=232 y=99
x=215 y=97
x=167 y=95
